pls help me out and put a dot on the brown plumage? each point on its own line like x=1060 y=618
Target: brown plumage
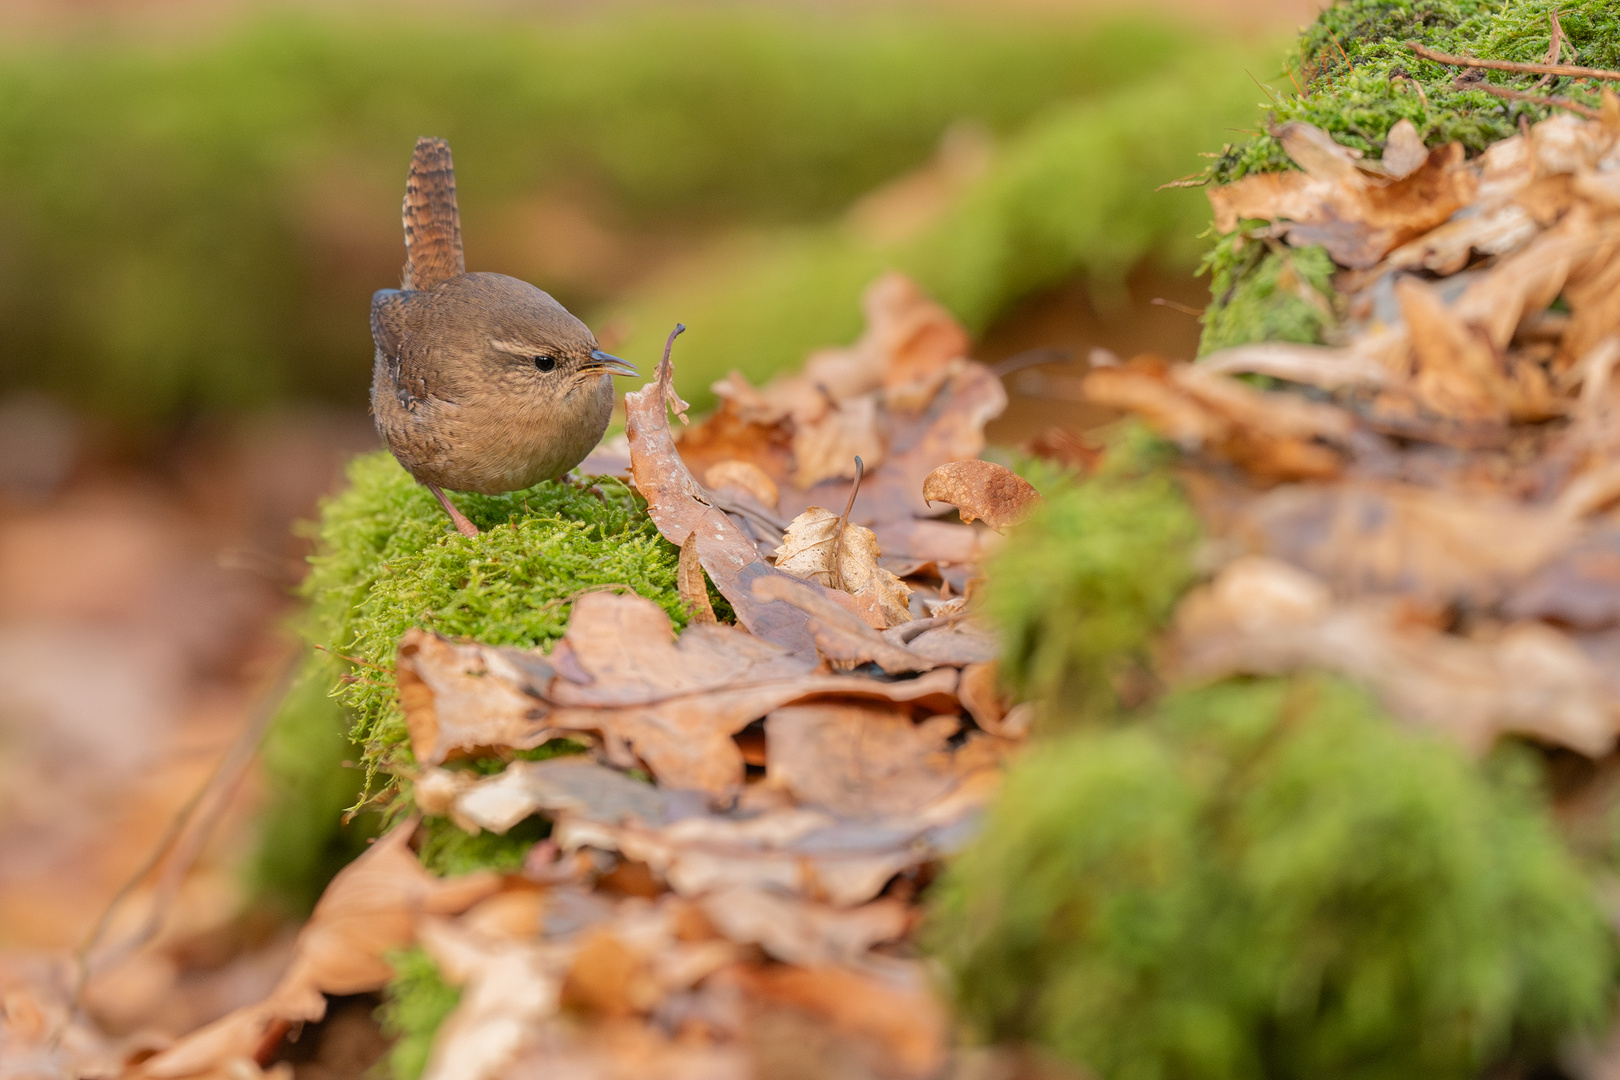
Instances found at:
x=481 y=382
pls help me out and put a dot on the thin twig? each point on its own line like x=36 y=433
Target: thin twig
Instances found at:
x=1536 y=99
x=1513 y=65
x=1159 y=301
x=1263 y=88
x=175 y=841
x=843 y=523
x=1555 y=47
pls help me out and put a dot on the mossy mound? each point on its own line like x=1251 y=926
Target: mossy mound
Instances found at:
x=1270 y=879
x=1354 y=77
x=388 y=560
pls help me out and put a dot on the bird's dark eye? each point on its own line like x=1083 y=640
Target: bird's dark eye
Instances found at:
x=545 y=363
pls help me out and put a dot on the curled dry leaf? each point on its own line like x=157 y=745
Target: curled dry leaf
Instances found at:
x=809 y=550
x=1197 y=408
x=1357 y=217
x=982 y=490
x=797 y=931
x=1264 y=617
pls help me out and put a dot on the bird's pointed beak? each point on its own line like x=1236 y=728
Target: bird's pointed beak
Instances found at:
x=601 y=361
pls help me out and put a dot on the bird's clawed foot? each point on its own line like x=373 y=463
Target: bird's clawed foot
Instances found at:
x=463 y=526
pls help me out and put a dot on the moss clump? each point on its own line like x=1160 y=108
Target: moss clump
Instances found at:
x=387 y=560
x=1269 y=879
x=1082 y=586
x=415 y=1002
x=1354 y=77
x=1267 y=293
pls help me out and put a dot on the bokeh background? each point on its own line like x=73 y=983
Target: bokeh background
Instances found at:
x=197 y=200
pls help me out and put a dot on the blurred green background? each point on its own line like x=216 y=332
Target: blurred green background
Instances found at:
x=195 y=221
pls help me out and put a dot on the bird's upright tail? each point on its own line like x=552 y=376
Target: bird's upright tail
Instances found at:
x=432 y=223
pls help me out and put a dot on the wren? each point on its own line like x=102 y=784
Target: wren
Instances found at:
x=481 y=382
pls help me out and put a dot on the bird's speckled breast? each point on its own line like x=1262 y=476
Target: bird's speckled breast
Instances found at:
x=499 y=441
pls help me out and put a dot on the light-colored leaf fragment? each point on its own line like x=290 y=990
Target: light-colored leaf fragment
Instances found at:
x=982 y=490
x=810 y=546
x=827 y=448
x=690 y=582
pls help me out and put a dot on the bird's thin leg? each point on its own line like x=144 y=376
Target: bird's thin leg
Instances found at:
x=463 y=526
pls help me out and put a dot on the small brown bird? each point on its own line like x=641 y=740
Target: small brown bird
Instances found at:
x=481 y=382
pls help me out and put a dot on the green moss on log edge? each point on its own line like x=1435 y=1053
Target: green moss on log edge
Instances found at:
x=387 y=560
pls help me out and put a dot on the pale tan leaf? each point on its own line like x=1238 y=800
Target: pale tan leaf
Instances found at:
x=982 y=490
x=1403 y=149
x=744 y=475
x=808 y=550
x=827 y=448
x=691 y=584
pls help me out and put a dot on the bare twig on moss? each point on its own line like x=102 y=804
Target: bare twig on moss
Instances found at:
x=1537 y=99
x=1512 y=65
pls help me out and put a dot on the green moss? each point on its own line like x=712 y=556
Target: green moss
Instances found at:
x=388 y=561
x=415 y=1002
x=1270 y=879
x=1081 y=587
x=1266 y=293
x=1340 y=79
x=447 y=851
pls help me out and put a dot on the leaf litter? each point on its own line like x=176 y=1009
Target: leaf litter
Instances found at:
x=1426 y=504
x=699 y=884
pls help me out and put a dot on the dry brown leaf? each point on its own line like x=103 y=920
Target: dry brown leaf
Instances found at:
x=1200 y=409
x=369 y=910
x=982 y=490
x=1358 y=218
x=826 y=448
x=842 y=636
x=746 y=476
x=1458 y=374
x=809 y=548
x=619 y=671
x=896 y=1008
x=561 y=785
x=1403 y=149
x=1266 y=618
x=796 y=850
x=680 y=507
x=860 y=761
x=1371 y=537
x=797 y=931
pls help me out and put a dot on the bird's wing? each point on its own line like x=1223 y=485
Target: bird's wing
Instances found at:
x=397 y=362
x=432 y=223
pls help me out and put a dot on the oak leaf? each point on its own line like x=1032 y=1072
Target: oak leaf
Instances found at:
x=982 y=491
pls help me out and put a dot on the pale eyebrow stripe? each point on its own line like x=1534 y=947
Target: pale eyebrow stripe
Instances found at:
x=516 y=348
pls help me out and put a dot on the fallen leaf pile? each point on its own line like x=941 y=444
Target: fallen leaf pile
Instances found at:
x=1426 y=505
x=731 y=873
